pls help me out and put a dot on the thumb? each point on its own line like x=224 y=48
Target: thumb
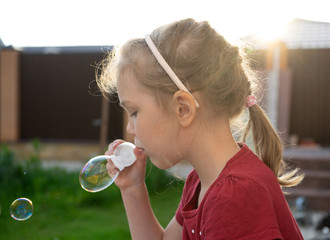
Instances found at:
x=140 y=154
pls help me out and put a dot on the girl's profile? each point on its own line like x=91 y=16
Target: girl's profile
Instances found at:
x=184 y=87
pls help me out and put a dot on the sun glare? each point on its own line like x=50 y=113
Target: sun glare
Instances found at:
x=271 y=30
x=113 y=22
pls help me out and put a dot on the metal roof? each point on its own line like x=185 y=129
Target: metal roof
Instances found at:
x=299 y=34
x=307 y=34
x=66 y=49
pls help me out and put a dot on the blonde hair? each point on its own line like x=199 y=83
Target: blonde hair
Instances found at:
x=205 y=62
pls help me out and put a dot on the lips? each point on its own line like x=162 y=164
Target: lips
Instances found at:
x=138 y=146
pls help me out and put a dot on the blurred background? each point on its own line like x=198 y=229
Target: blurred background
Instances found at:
x=53 y=118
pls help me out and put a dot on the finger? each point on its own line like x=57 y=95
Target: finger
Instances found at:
x=140 y=154
x=110 y=166
x=112 y=170
x=112 y=146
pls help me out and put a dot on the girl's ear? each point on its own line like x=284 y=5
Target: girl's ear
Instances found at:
x=185 y=107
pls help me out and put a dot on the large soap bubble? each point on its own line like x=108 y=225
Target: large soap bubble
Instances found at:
x=94 y=176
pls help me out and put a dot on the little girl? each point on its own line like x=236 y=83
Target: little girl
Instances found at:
x=182 y=87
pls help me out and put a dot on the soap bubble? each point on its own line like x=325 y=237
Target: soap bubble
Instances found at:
x=21 y=209
x=94 y=176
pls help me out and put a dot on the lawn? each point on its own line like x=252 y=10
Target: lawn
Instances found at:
x=64 y=211
x=56 y=222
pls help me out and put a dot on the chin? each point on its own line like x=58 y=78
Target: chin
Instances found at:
x=162 y=163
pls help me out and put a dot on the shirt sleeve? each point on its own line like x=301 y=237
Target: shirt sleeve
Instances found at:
x=240 y=209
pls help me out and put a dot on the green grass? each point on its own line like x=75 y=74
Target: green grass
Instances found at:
x=64 y=211
x=60 y=219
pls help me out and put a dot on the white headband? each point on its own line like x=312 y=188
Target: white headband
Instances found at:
x=167 y=68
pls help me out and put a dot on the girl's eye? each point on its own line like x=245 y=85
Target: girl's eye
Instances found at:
x=134 y=114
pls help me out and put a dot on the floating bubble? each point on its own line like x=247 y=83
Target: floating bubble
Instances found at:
x=21 y=209
x=94 y=176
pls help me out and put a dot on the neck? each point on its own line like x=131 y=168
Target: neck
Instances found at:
x=211 y=149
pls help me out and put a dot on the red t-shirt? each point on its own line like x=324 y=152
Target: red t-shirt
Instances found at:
x=244 y=202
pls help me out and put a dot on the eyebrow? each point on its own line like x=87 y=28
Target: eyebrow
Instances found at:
x=124 y=104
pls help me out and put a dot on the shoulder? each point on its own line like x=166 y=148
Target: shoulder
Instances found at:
x=245 y=181
x=240 y=201
x=233 y=188
x=247 y=165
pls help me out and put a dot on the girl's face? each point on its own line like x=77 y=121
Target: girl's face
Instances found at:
x=155 y=131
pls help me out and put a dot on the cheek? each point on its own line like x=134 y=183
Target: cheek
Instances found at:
x=150 y=134
x=152 y=127
x=158 y=135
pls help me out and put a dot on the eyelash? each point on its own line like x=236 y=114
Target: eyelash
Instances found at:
x=134 y=114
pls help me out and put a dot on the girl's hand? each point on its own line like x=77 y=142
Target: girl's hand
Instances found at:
x=132 y=176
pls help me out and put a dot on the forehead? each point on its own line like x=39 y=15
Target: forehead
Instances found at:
x=129 y=89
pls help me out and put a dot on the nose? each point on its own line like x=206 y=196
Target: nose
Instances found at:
x=130 y=128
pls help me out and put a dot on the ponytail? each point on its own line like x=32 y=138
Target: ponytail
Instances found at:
x=268 y=147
